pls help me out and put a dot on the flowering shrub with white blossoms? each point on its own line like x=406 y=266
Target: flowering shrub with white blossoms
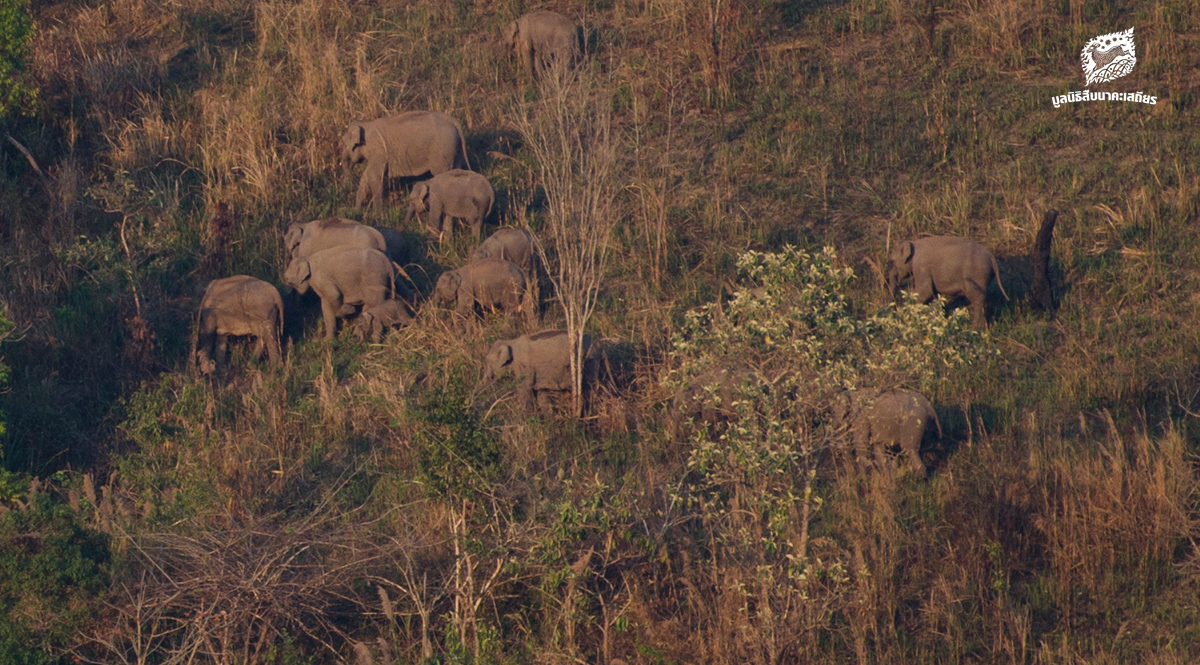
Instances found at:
x=751 y=477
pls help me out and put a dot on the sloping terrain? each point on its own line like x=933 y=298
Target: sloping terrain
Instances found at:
x=378 y=502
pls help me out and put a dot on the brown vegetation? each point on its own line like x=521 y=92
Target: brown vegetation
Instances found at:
x=377 y=503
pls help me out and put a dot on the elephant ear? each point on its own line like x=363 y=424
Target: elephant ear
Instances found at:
x=504 y=354
x=291 y=239
x=906 y=251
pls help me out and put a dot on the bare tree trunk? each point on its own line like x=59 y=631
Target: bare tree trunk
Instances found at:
x=569 y=131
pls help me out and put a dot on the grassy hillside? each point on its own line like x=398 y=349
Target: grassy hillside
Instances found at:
x=375 y=502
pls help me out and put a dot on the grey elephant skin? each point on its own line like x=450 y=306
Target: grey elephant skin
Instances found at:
x=515 y=245
x=492 y=283
x=303 y=240
x=543 y=39
x=724 y=384
x=375 y=320
x=887 y=421
x=409 y=145
x=455 y=194
x=948 y=266
x=343 y=277
x=235 y=307
x=542 y=363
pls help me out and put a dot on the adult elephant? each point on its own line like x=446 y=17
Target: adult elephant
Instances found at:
x=879 y=422
x=542 y=363
x=409 y=145
x=238 y=306
x=303 y=240
x=948 y=266
x=543 y=39
x=343 y=277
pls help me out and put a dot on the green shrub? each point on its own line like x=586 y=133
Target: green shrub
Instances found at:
x=16 y=27
x=53 y=570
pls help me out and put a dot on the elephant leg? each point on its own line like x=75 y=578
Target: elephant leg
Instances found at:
x=924 y=287
x=527 y=58
x=329 y=312
x=274 y=353
x=526 y=396
x=222 y=349
x=977 y=298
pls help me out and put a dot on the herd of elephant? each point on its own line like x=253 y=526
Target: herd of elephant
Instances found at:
x=352 y=267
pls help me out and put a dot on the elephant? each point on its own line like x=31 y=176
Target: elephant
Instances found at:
x=541 y=361
x=948 y=266
x=303 y=240
x=393 y=313
x=510 y=244
x=238 y=306
x=343 y=277
x=454 y=194
x=693 y=401
x=408 y=145
x=887 y=421
x=493 y=283
x=543 y=39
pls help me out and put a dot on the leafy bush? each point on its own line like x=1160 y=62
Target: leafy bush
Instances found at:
x=752 y=480
x=16 y=27
x=53 y=570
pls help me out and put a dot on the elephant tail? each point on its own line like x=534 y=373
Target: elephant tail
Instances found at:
x=528 y=305
x=462 y=143
x=996 y=269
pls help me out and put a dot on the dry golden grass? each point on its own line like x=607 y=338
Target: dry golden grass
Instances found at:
x=1056 y=530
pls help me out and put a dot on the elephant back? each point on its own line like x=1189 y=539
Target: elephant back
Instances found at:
x=419 y=142
x=332 y=232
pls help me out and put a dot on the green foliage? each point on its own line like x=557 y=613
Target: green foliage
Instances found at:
x=53 y=570
x=457 y=456
x=793 y=319
x=16 y=27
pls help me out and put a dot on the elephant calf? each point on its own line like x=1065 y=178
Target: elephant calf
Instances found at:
x=890 y=421
x=541 y=361
x=543 y=39
x=514 y=245
x=234 y=307
x=392 y=313
x=456 y=194
x=948 y=266
x=343 y=277
x=492 y=283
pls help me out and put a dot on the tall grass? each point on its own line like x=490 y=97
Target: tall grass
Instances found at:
x=180 y=138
